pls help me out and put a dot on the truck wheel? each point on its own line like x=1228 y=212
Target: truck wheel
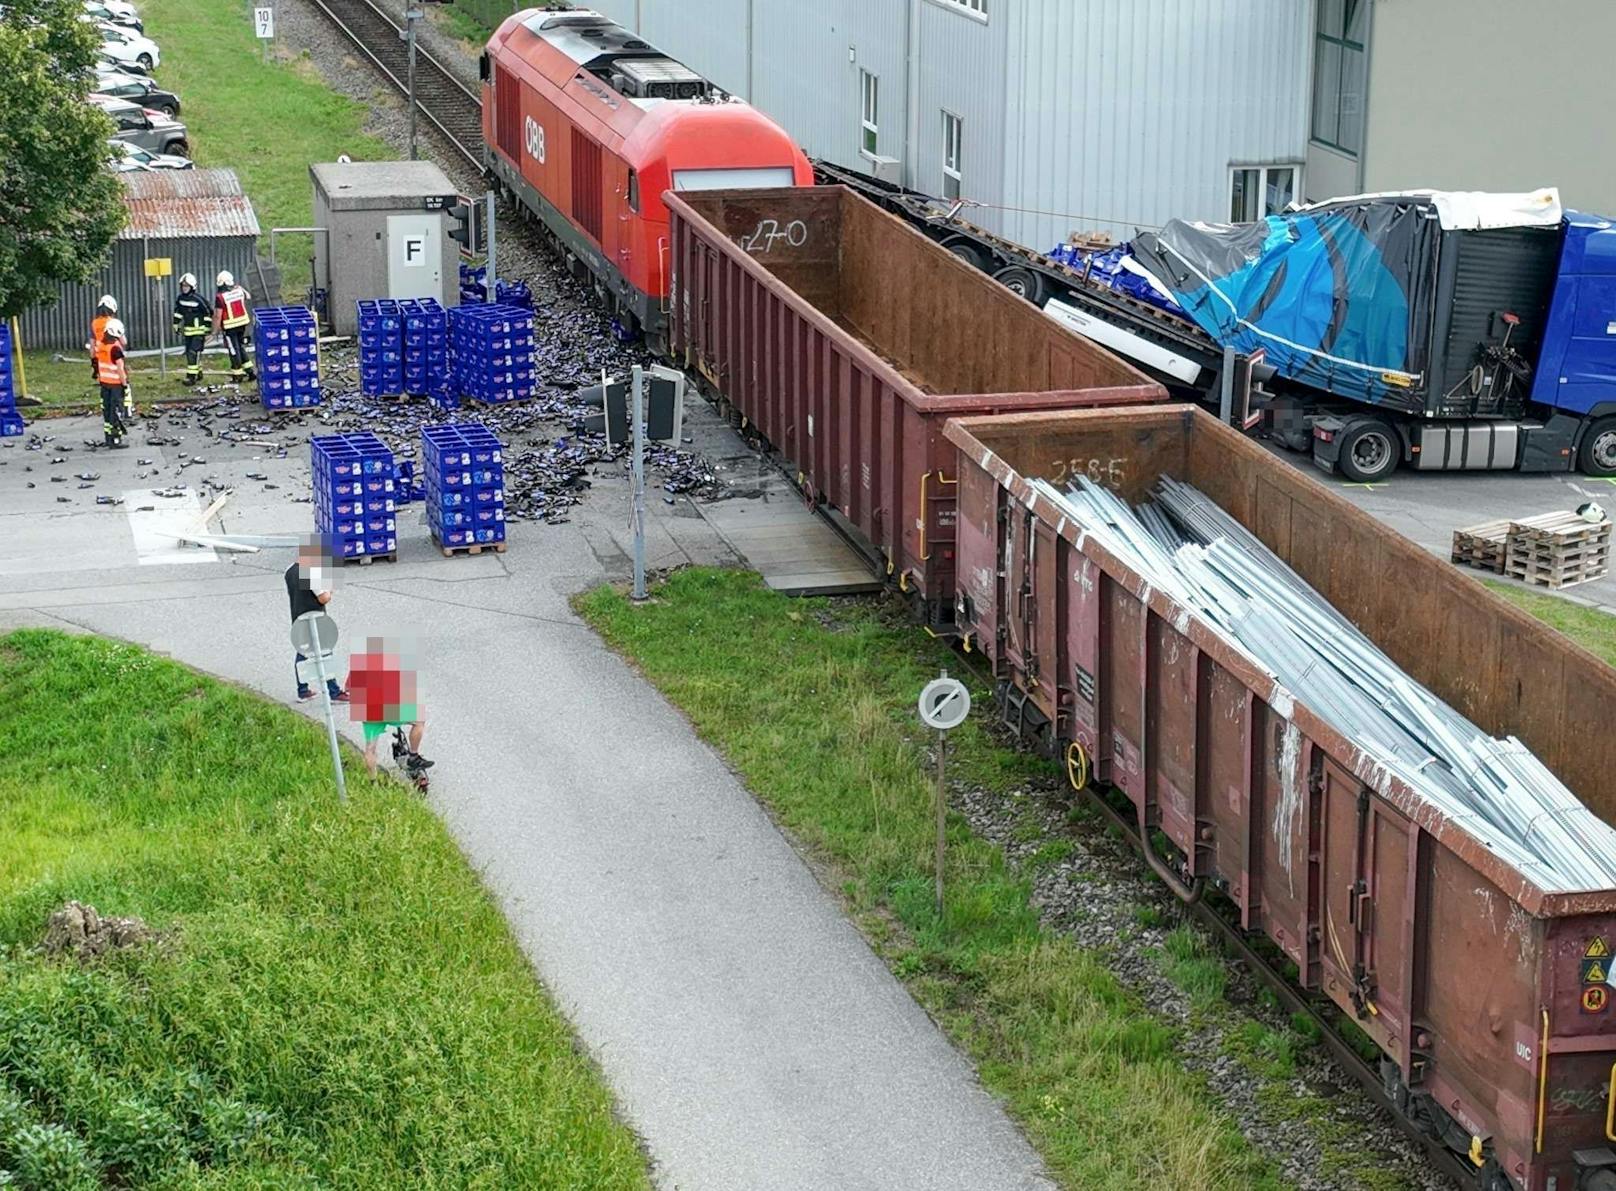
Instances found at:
x=1024 y=283
x=1369 y=452
x=968 y=252
x=1597 y=454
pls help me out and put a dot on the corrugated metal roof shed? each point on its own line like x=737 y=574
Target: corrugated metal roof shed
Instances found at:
x=199 y=219
x=169 y=204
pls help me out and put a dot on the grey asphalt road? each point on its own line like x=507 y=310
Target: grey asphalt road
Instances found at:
x=1427 y=507
x=752 y=1038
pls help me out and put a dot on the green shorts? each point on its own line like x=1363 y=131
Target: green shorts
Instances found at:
x=381 y=727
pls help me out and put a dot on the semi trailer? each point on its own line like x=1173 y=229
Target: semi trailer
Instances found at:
x=1433 y=330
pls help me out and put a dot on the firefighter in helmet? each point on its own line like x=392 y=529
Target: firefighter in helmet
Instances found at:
x=193 y=321
x=106 y=307
x=230 y=318
x=112 y=373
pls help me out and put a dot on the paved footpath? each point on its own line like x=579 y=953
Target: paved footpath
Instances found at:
x=752 y=1038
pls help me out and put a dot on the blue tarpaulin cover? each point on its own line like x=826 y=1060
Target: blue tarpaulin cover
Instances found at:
x=1325 y=292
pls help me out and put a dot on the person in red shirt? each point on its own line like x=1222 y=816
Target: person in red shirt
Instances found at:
x=381 y=687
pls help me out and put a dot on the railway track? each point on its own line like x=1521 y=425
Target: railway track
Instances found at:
x=445 y=102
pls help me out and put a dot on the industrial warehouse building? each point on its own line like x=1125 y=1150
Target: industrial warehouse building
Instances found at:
x=1054 y=116
x=200 y=221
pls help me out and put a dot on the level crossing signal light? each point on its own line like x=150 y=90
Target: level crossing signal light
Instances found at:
x=468 y=226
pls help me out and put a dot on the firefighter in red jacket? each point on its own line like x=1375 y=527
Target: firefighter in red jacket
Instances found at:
x=230 y=318
x=112 y=372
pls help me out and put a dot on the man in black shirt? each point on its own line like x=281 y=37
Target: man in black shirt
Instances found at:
x=308 y=588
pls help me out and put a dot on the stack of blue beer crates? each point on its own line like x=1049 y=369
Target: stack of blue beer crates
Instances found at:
x=11 y=423
x=492 y=353
x=354 y=496
x=426 y=345
x=465 y=486
x=287 y=344
x=381 y=347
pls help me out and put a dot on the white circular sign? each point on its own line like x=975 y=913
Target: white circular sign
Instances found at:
x=312 y=628
x=533 y=135
x=944 y=704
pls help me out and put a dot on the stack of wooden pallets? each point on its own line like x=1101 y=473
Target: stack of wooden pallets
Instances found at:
x=1551 y=550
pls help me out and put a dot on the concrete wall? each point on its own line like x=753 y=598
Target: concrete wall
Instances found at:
x=1493 y=95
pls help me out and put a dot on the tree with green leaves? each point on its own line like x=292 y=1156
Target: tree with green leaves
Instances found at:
x=60 y=207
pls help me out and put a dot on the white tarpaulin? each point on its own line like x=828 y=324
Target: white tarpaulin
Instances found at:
x=1471 y=210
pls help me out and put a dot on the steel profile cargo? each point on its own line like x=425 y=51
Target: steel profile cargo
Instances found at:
x=847 y=339
x=1488 y=995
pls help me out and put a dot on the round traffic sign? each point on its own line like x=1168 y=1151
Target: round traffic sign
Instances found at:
x=312 y=627
x=944 y=704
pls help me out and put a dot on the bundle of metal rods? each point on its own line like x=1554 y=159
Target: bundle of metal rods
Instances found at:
x=1191 y=549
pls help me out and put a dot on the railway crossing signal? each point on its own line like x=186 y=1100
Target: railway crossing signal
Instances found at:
x=944 y=704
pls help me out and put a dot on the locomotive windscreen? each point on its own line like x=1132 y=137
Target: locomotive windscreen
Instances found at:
x=720 y=179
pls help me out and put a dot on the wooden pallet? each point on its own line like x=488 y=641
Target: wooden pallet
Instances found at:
x=1482 y=546
x=365 y=560
x=1554 y=577
x=469 y=548
x=1557 y=550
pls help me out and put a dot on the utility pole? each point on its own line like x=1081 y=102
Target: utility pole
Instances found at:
x=412 y=13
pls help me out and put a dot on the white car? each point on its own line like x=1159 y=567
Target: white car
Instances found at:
x=133 y=159
x=114 y=12
x=128 y=48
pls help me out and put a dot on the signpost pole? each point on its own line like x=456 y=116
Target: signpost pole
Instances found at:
x=944 y=704
x=330 y=723
x=636 y=420
x=493 y=254
x=942 y=813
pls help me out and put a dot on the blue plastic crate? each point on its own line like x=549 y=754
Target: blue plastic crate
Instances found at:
x=11 y=425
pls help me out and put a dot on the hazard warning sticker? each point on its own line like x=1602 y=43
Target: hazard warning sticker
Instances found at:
x=1595 y=971
x=1597 y=950
x=1595 y=998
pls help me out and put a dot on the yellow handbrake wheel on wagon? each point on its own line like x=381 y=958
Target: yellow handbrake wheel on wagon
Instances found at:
x=1077 y=766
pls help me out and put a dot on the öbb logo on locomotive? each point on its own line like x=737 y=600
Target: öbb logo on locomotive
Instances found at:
x=533 y=137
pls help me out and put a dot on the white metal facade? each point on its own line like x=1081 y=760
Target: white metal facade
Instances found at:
x=1076 y=114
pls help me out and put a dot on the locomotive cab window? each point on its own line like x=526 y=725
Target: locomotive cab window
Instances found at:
x=483 y=71
x=722 y=179
x=633 y=190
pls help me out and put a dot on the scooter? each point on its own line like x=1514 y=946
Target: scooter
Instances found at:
x=411 y=764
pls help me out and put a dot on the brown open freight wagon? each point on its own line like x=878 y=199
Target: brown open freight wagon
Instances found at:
x=1489 y=997
x=847 y=339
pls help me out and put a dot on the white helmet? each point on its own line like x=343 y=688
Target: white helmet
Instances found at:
x=188 y=279
x=108 y=302
x=114 y=328
x=225 y=278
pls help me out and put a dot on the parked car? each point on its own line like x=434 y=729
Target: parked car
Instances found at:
x=148 y=129
x=137 y=88
x=122 y=15
x=129 y=48
x=132 y=159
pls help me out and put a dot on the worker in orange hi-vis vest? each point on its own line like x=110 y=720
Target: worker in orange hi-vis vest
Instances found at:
x=112 y=372
x=106 y=307
x=230 y=318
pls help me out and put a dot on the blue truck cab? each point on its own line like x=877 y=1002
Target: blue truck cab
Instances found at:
x=1576 y=365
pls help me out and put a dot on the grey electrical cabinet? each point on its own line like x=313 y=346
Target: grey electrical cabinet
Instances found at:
x=386 y=234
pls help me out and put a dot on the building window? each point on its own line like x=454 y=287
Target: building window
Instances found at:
x=1338 y=74
x=870 y=100
x=977 y=8
x=1259 y=190
x=953 y=138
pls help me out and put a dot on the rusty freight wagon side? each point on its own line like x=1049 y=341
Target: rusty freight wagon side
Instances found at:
x=1489 y=996
x=847 y=339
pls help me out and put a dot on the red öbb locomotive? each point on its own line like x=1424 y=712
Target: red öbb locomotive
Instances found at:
x=586 y=126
